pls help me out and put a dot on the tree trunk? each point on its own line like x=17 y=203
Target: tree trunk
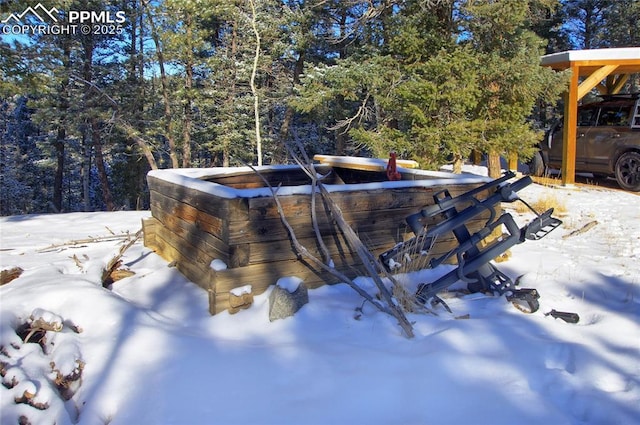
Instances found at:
x=87 y=70
x=85 y=172
x=230 y=100
x=476 y=156
x=59 y=144
x=88 y=44
x=102 y=171
x=252 y=83
x=493 y=164
x=280 y=151
x=59 y=175
x=188 y=85
x=168 y=117
x=139 y=198
x=457 y=164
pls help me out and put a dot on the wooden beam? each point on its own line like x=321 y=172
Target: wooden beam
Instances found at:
x=618 y=84
x=594 y=79
x=569 y=131
x=613 y=84
x=576 y=92
x=364 y=164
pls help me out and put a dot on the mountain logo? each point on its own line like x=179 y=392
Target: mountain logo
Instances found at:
x=38 y=11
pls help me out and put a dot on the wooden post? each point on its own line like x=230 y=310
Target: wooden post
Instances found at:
x=513 y=161
x=569 y=131
x=576 y=92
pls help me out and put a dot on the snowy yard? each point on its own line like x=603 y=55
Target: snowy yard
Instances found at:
x=147 y=351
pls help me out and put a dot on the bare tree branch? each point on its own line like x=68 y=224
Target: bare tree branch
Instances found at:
x=252 y=82
x=303 y=252
x=313 y=175
x=361 y=113
x=128 y=129
x=371 y=264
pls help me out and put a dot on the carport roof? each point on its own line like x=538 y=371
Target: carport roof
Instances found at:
x=587 y=61
x=607 y=70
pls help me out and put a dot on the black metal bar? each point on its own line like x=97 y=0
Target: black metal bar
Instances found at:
x=503 y=194
x=445 y=205
x=475 y=263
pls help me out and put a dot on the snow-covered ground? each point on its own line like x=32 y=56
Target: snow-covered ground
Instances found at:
x=147 y=351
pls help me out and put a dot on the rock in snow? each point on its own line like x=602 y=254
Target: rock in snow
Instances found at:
x=287 y=297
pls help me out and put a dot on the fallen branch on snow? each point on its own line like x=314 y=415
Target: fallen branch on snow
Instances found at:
x=112 y=272
x=96 y=239
x=581 y=230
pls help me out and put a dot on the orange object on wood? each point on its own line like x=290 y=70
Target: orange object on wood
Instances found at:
x=392 y=170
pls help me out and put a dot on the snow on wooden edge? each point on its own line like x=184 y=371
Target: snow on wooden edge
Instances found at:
x=194 y=178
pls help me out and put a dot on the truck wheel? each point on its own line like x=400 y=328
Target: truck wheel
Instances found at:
x=628 y=171
x=536 y=165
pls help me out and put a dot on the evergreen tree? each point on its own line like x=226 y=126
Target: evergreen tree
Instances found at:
x=622 y=27
x=593 y=24
x=441 y=98
x=84 y=117
x=510 y=75
x=17 y=155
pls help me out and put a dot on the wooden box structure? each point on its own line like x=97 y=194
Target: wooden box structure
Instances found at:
x=227 y=214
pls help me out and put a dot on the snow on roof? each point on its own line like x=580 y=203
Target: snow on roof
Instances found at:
x=196 y=179
x=620 y=53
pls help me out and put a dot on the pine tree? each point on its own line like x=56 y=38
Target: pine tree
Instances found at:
x=510 y=76
x=18 y=154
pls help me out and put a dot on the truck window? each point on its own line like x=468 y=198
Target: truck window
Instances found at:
x=613 y=116
x=587 y=117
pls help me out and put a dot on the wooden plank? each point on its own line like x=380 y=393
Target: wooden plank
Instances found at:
x=273 y=229
x=349 y=201
x=261 y=276
x=218 y=302
x=380 y=225
x=195 y=266
x=570 y=128
x=594 y=79
x=379 y=235
x=269 y=241
x=163 y=205
x=356 y=163
x=352 y=201
x=149 y=226
x=191 y=262
x=192 y=234
x=283 y=250
x=230 y=209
